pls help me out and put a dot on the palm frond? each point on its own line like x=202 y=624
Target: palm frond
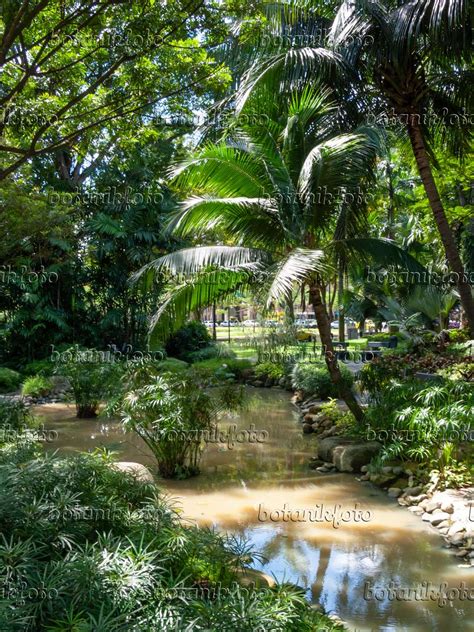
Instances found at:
x=294 y=269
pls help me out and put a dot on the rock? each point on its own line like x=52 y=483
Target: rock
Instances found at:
x=462 y=553
x=416 y=510
x=364 y=468
x=394 y=492
x=312 y=418
x=457 y=527
x=431 y=505
x=413 y=491
x=447 y=507
x=398 y=470
x=381 y=479
x=258 y=383
x=416 y=500
x=457 y=539
x=348 y=454
x=445 y=524
x=138 y=470
x=366 y=477
x=443 y=530
x=426 y=517
x=307 y=428
x=402 y=502
x=387 y=470
x=314 y=409
x=322 y=469
x=438 y=516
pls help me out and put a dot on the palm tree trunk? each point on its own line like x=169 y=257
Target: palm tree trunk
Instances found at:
x=340 y=292
x=450 y=248
x=324 y=327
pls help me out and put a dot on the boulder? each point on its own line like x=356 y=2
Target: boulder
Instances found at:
x=307 y=428
x=438 y=516
x=394 y=492
x=348 y=454
x=138 y=470
x=431 y=505
x=413 y=491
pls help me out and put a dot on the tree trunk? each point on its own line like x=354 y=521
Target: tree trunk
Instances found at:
x=340 y=292
x=450 y=248
x=324 y=327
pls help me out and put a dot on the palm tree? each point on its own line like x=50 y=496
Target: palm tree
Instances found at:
x=407 y=58
x=261 y=186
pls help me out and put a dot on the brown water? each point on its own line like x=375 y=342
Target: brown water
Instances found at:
x=332 y=564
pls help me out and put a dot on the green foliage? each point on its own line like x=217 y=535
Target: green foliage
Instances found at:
x=9 y=380
x=314 y=379
x=265 y=370
x=218 y=370
x=112 y=550
x=344 y=420
x=172 y=414
x=15 y=414
x=191 y=338
x=38 y=367
x=172 y=365
x=37 y=386
x=92 y=379
x=458 y=335
x=212 y=351
x=423 y=421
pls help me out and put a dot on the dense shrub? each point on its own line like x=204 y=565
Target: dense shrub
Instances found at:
x=219 y=369
x=207 y=353
x=272 y=370
x=377 y=374
x=37 y=386
x=458 y=335
x=91 y=379
x=422 y=422
x=90 y=548
x=194 y=336
x=42 y=367
x=9 y=380
x=314 y=379
x=172 y=365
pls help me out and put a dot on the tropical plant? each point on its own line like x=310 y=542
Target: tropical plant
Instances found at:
x=192 y=337
x=113 y=555
x=412 y=58
x=314 y=379
x=423 y=421
x=37 y=386
x=172 y=414
x=262 y=186
x=91 y=377
x=417 y=57
x=9 y=380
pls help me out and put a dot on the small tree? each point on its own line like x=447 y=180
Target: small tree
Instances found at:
x=172 y=414
x=92 y=375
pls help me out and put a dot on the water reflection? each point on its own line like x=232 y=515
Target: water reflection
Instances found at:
x=333 y=565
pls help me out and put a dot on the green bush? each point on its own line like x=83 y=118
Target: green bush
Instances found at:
x=43 y=367
x=194 y=336
x=92 y=380
x=90 y=548
x=9 y=380
x=458 y=335
x=221 y=369
x=385 y=337
x=421 y=421
x=314 y=379
x=172 y=365
x=212 y=351
x=37 y=386
x=271 y=370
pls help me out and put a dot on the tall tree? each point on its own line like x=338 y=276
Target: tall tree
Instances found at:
x=262 y=186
